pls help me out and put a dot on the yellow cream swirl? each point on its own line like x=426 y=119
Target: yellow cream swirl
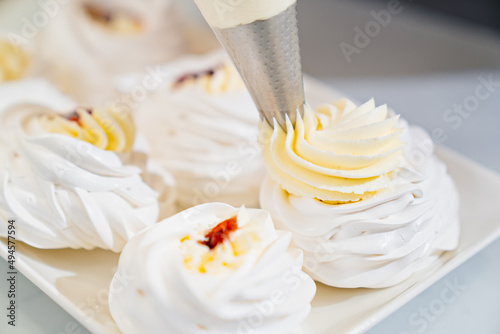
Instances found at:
x=109 y=129
x=340 y=153
x=14 y=62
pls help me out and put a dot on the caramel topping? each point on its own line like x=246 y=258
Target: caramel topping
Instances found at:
x=74 y=117
x=220 y=233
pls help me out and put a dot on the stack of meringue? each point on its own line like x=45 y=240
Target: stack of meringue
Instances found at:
x=362 y=193
x=89 y=43
x=357 y=196
x=64 y=178
x=179 y=280
x=203 y=126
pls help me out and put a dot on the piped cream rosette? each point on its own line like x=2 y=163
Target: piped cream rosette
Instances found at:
x=63 y=176
x=203 y=126
x=90 y=42
x=344 y=182
x=211 y=269
x=338 y=154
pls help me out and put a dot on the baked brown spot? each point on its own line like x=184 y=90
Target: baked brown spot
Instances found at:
x=74 y=117
x=97 y=14
x=193 y=76
x=139 y=291
x=220 y=233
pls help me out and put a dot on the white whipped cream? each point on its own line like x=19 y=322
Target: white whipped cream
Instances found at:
x=252 y=282
x=358 y=232
x=64 y=192
x=231 y=13
x=90 y=42
x=204 y=129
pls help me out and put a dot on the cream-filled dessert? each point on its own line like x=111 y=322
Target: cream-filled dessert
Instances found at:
x=211 y=269
x=74 y=177
x=362 y=192
x=203 y=126
x=90 y=42
x=14 y=61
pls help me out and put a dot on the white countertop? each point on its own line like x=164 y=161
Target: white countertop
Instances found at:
x=421 y=66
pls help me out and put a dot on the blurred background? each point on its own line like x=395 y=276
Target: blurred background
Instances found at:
x=425 y=36
x=485 y=12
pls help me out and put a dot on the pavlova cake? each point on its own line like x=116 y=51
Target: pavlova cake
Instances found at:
x=74 y=177
x=211 y=269
x=203 y=126
x=362 y=192
x=90 y=42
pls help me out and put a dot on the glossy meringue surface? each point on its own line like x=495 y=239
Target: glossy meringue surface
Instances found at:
x=203 y=126
x=393 y=229
x=267 y=292
x=65 y=192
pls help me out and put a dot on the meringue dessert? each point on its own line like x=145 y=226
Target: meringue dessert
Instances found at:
x=211 y=269
x=14 y=62
x=203 y=127
x=362 y=193
x=74 y=179
x=96 y=41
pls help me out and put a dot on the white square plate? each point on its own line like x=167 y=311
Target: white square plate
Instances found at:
x=78 y=280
